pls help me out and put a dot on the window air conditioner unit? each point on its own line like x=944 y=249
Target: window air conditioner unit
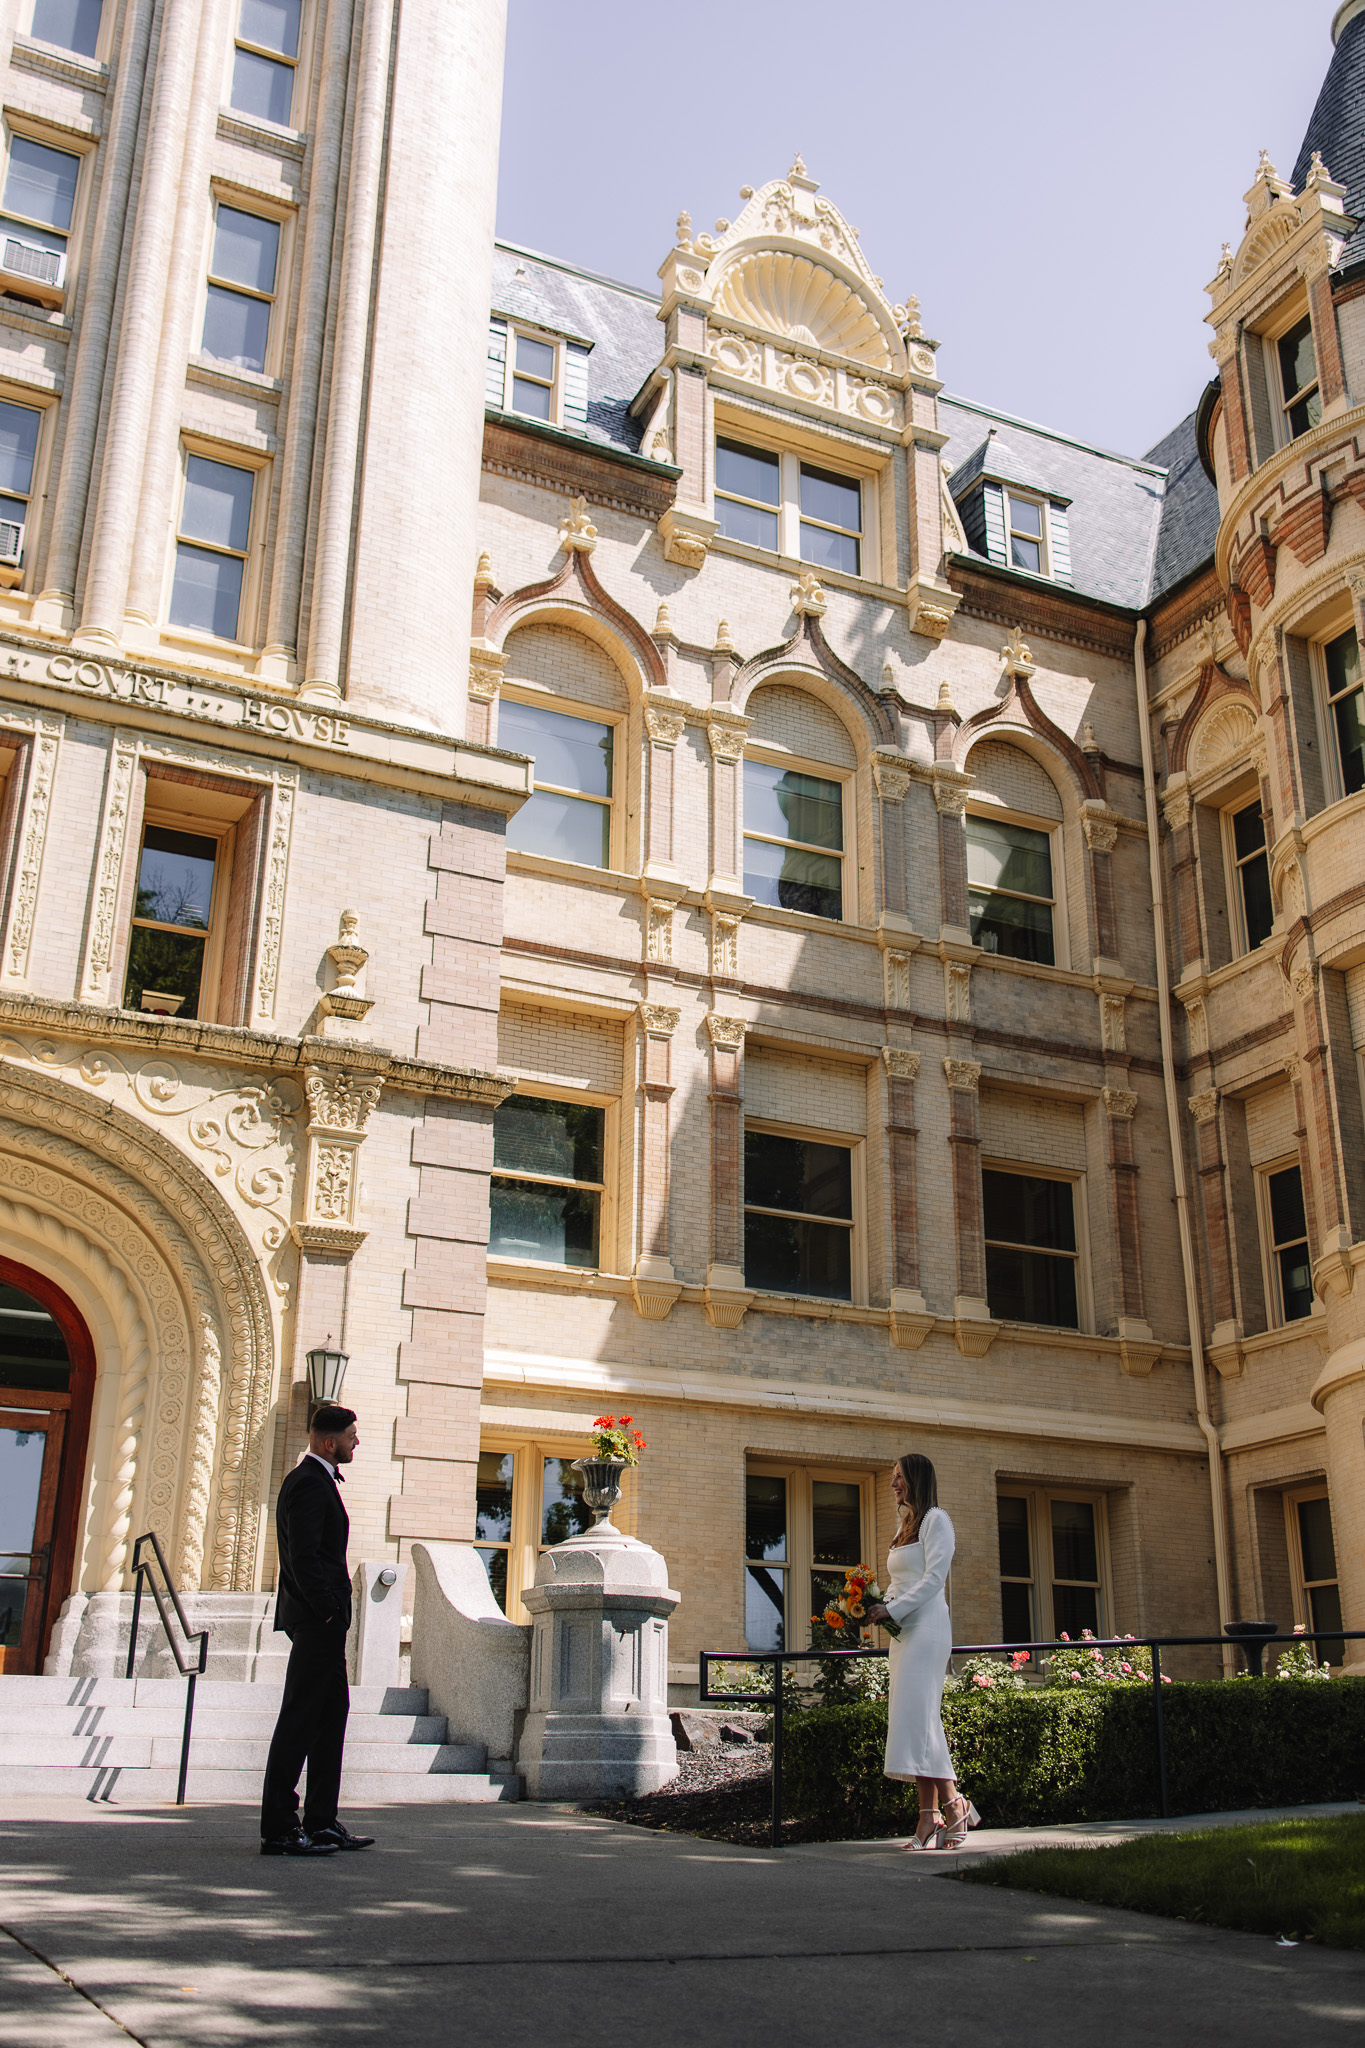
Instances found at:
x=11 y=543
x=31 y=260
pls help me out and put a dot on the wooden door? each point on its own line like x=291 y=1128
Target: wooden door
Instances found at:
x=30 y=1469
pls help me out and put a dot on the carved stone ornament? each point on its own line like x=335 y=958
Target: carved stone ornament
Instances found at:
x=950 y=794
x=1204 y=1105
x=933 y=620
x=901 y=1066
x=1113 y=1023
x=659 y=932
x=1176 y=809
x=659 y=1021
x=664 y=725
x=1293 y=1070
x=1305 y=980
x=342 y=1010
x=485 y=673
x=726 y=1031
x=339 y=1101
x=957 y=992
x=897 y=980
x=724 y=946
x=1120 y=1103
x=1017 y=655
x=576 y=530
x=892 y=779
x=727 y=738
x=963 y=1074
x=1355 y=582
x=808 y=599
x=30 y=838
x=1101 y=833
x=687 y=536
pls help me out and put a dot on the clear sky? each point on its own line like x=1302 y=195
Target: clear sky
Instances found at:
x=1053 y=180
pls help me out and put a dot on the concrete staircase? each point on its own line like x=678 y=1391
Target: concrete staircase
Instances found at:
x=117 y=1740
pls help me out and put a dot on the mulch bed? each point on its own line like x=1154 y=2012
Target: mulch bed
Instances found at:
x=723 y=1794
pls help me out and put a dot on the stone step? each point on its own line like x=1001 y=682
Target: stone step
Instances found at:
x=363 y=1787
x=226 y=1754
x=20 y=1690
x=19 y=1723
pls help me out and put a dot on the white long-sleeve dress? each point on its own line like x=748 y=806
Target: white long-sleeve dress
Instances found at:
x=916 y=1573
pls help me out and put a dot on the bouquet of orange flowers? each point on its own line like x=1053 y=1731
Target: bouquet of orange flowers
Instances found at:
x=849 y=1611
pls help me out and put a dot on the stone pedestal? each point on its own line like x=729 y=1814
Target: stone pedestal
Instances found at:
x=374 y=1646
x=598 y=1725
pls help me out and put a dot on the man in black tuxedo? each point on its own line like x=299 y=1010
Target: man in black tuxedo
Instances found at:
x=313 y=1607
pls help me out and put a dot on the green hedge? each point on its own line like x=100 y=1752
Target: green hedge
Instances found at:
x=1049 y=1756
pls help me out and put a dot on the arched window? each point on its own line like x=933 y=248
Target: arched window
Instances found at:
x=1013 y=826
x=564 y=703
x=798 y=820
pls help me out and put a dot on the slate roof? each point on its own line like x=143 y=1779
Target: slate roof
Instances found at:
x=1337 y=129
x=1189 y=513
x=1002 y=464
x=620 y=320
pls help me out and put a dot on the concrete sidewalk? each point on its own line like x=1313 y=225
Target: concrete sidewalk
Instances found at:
x=496 y=1925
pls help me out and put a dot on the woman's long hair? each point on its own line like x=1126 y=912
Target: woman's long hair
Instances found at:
x=921 y=1489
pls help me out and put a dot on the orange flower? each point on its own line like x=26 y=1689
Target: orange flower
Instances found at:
x=834 y=1619
x=856 y=1609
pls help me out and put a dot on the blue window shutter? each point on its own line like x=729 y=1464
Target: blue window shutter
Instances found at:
x=997 y=545
x=495 y=382
x=575 y=387
x=1059 y=543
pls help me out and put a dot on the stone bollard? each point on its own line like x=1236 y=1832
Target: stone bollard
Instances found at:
x=375 y=1642
x=598 y=1726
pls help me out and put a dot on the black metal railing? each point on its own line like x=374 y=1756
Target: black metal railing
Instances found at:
x=143 y=1570
x=1252 y=1648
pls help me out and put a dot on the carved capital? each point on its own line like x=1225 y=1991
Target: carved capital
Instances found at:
x=1120 y=1103
x=727 y=735
x=950 y=791
x=901 y=1066
x=724 y=946
x=892 y=777
x=963 y=1074
x=1204 y=1105
x=486 y=665
x=664 y=723
x=339 y=1101
x=726 y=1031
x=1293 y=1070
x=659 y=931
x=687 y=536
x=1197 y=1019
x=1101 y=831
x=1306 y=980
x=659 y=1021
x=1176 y=809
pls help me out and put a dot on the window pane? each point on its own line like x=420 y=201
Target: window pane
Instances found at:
x=531 y=1135
x=1016 y=1614
x=262 y=87
x=558 y=1226
x=33 y=1350
x=570 y=753
x=274 y=24
x=1015 y=857
x=785 y=804
x=1298 y=364
x=1305 y=414
x=795 y=1173
x=236 y=328
x=747 y=472
x=164 y=964
x=787 y=1257
x=563 y=828
x=206 y=595
x=1257 y=902
x=217 y=506
x=746 y=523
x=765 y=1518
x=175 y=877
x=18 y=445
x=68 y=24
x=41 y=181
x=564 y=1512
x=1024 y=1209
x=1342 y=657
x=1012 y=1515
x=1296 y=1283
x=790 y=880
x=1026 y=554
x=493 y=1497
x=838 y=500
x=837 y=1521
x=1075 y=1609
x=536 y=358
x=1031 y=1287
x=495 y=1564
x=1324 y=1604
x=1286 y=1205
x=531 y=399
x=1248 y=830
x=1315 y=1539
x=1074 y=1551
x=1012 y=925
x=21 y=1472
x=246 y=249
x=1026 y=517
x=829 y=550
x=765 y=1608
x=1350 y=718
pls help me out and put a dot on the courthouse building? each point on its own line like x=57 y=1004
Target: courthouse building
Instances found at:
x=919 y=1004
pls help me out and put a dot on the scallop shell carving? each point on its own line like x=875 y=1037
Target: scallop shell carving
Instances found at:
x=790 y=295
x=1223 y=734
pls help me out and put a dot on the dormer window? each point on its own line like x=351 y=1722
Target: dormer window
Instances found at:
x=1297 y=365
x=539 y=376
x=1010 y=511
x=790 y=507
x=533 y=378
x=1027 y=518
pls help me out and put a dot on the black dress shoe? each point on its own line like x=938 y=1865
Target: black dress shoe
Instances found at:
x=339 y=1837
x=296 y=1843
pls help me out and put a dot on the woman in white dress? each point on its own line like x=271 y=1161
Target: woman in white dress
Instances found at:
x=917 y=1572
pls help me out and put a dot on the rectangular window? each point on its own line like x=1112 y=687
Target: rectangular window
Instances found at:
x=1313 y=1548
x=803 y=1527
x=748 y=494
x=1051 y=1567
x=1031 y=1249
x=175 y=944
x=526 y=1500
x=493 y=1498
x=1288 y=1232
x=569 y=815
x=546 y=1194
x=39 y=201
x=831 y=521
x=793 y=839
x=211 y=547
x=1026 y=533
x=19 y=425
x=1297 y=363
x=1010 y=897
x=241 y=289
x=533 y=377
x=68 y=25
x=265 y=61
x=836 y=1520
x=1341 y=659
x=1251 y=865
x=766 y=1562
x=563 y=1510
x=798 y=1216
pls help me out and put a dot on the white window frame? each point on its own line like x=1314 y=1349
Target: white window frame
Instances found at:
x=591 y=714
x=248 y=610
x=223 y=194
x=1281 y=400
x=772 y=756
x=836 y=462
x=528 y=1454
x=45 y=405
x=855 y=1144
x=606 y=1188
x=101 y=55
x=1324 y=702
x=800 y=1565
x=1270 y=1264
x=1238 y=935
x=1078 y=1181
x=981 y=805
x=238 y=41
x=1043 y=535
x=172 y=817
x=1299 y=1587
x=1040 y=1499
x=555 y=342
x=31 y=130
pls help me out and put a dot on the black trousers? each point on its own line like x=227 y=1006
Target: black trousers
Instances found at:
x=311 y=1729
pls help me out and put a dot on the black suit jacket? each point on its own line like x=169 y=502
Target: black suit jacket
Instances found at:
x=312 y=1526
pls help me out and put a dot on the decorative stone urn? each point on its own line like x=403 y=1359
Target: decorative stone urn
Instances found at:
x=598 y=1725
x=601 y=1485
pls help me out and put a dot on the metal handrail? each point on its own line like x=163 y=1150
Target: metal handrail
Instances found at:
x=193 y=1672
x=777 y=1658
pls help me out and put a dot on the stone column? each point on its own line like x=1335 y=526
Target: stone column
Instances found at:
x=891 y=772
x=911 y=1319
x=1211 y=1168
x=975 y=1330
x=654 y=1284
x=1101 y=837
x=665 y=720
x=950 y=794
x=1189 y=940
x=727 y=1297
x=1225 y=352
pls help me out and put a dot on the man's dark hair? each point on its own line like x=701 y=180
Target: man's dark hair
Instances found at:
x=327 y=1419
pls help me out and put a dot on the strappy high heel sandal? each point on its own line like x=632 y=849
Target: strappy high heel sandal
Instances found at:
x=954 y=1833
x=918 y=1841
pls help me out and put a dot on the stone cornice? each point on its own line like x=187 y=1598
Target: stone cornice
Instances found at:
x=570 y=463
x=1049 y=611
x=260 y=1051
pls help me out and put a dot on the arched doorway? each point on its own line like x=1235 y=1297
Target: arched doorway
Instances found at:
x=47 y=1377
